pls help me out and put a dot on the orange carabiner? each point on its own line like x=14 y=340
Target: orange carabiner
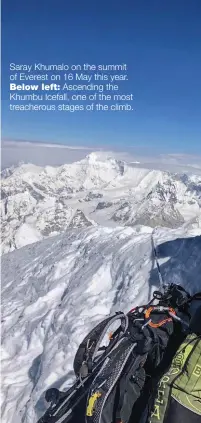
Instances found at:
x=162 y=322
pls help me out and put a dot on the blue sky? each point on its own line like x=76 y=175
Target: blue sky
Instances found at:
x=160 y=40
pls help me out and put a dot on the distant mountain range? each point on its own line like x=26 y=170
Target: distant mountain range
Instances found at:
x=38 y=202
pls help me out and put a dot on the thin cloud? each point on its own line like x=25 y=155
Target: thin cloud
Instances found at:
x=14 y=152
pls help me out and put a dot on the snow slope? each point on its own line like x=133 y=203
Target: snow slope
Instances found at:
x=57 y=289
x=40 y=202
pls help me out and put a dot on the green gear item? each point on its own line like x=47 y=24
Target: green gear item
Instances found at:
x=182 y=381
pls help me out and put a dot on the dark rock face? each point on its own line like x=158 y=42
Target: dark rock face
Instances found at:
x=79 y=220
x=92 y=196
x=104 y=205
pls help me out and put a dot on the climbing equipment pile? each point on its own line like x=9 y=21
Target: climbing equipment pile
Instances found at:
x=109 y=379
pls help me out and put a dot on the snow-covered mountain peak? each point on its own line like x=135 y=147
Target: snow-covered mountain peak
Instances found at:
x=58 y=289
x=44 y=201
x=21 y=170
x=105 y=161
x=100 y=156
x=94 y=157
x=97 y=215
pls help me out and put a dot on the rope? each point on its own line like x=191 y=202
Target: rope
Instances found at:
x=162 y=284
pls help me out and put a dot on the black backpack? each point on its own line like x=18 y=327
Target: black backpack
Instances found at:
x=113 y=382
